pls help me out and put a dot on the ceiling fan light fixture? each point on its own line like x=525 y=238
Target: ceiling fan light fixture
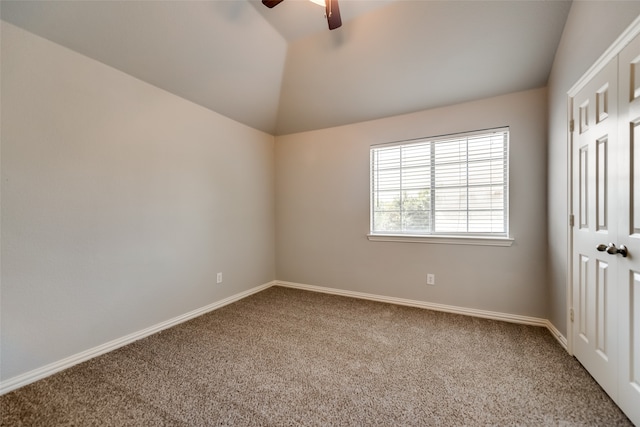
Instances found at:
x=332 y=10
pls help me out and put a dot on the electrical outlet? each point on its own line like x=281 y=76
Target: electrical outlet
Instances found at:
x=431 y=279
x=219 y=278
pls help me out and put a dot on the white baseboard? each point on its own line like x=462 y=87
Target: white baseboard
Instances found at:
x=505 y=317
x=557 y=335
x=52 y=368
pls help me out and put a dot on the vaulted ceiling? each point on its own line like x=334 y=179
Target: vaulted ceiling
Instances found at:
x=282 y=71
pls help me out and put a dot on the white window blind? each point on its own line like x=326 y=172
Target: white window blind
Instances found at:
x=450 y=185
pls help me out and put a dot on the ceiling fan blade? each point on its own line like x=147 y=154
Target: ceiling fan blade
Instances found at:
x=333 y=14
x=271 y=3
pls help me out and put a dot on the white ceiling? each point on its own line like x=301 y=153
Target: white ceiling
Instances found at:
x=281 y=70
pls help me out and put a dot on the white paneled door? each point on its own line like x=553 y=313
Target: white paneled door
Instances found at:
x=606 y=231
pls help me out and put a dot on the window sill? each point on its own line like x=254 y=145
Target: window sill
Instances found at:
x=446 y=240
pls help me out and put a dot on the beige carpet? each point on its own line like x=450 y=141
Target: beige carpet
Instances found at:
x=286 y=357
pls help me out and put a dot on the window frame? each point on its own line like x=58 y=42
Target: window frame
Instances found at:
x=461 y=238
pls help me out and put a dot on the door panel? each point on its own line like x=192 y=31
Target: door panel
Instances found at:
x=629 y=207
x=634 y=155
x=595 y=276
x=634 y=347
x=602 y=185
x=602 y=316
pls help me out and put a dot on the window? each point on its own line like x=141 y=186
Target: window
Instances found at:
x=453 y=185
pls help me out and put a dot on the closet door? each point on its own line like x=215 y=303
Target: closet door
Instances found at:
x=606 y=233
x=628 y=304
x=595 y=274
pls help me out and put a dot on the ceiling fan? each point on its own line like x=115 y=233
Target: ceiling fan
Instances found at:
x=332 y=10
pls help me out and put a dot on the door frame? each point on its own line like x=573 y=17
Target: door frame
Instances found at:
x=612 y=51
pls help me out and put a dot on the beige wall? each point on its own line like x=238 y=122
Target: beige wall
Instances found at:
x=120 y=203
x=322 y=213
x=592 y=26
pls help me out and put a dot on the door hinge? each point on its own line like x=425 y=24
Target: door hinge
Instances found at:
x=572 y=125
x=571 y=314
x=571 y=220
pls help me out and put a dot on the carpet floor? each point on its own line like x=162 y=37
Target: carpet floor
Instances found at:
x=286 y=357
